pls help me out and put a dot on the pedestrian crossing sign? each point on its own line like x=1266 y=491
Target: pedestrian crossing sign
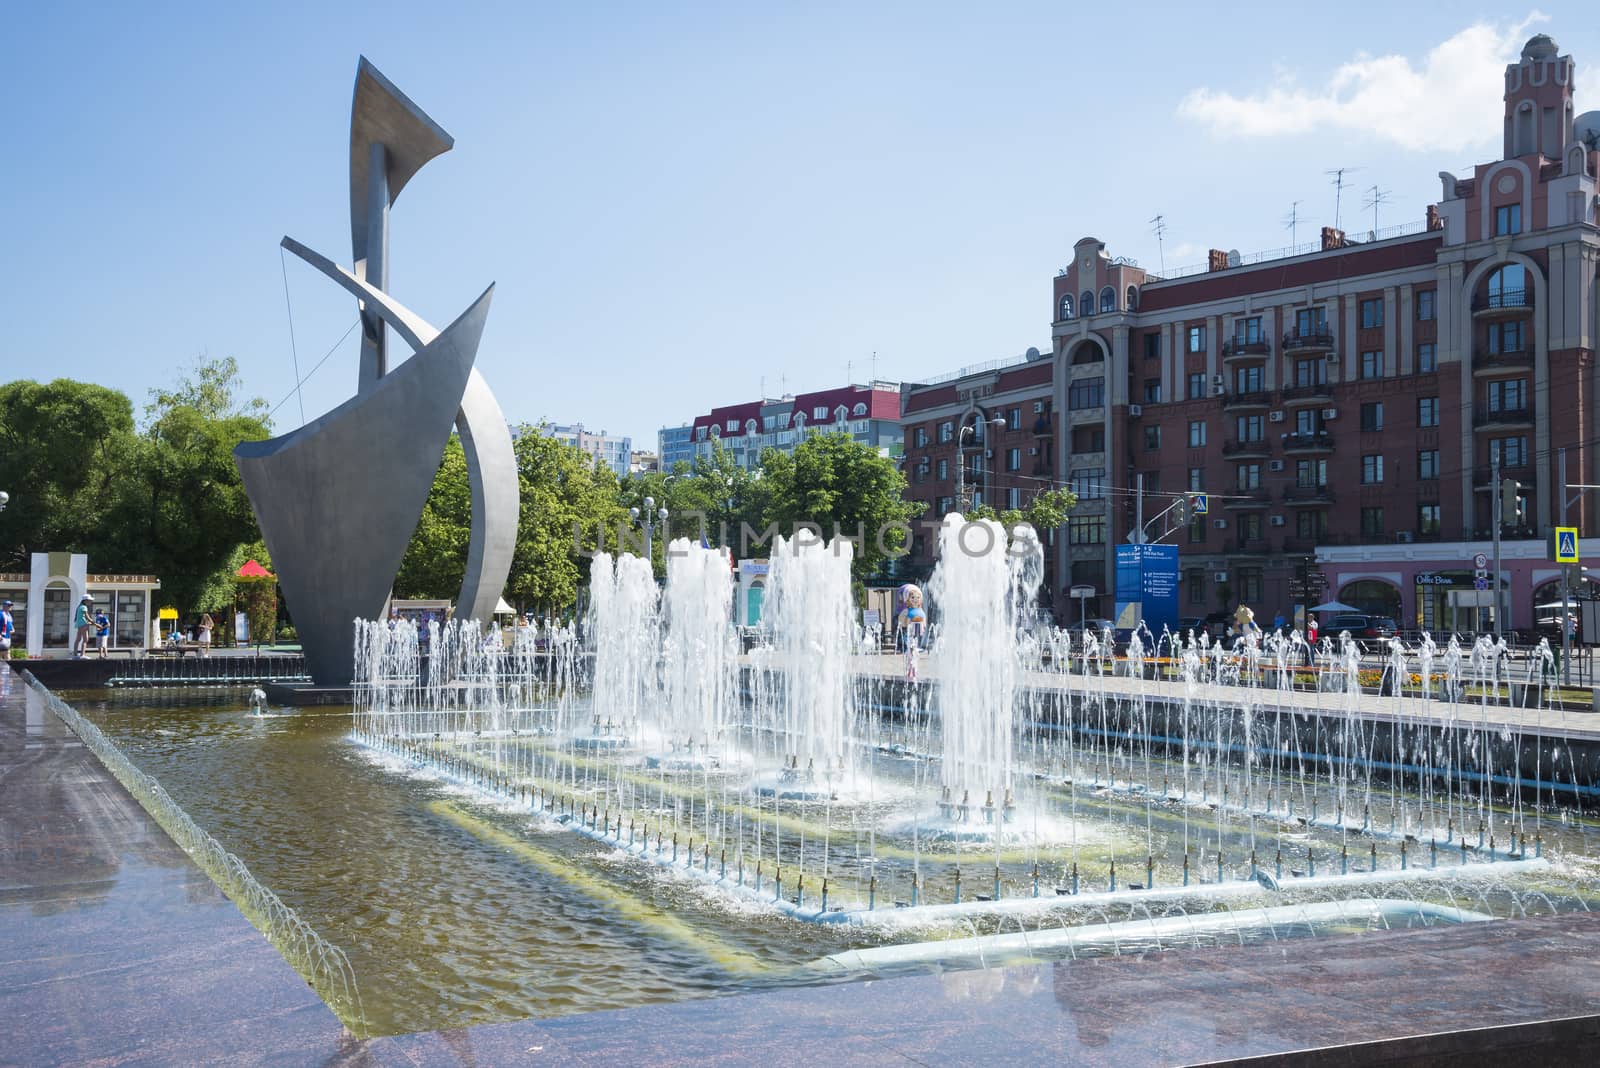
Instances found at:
x=1566 y=539
x=1199 y=504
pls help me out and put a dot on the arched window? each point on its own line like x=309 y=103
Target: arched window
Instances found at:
x=1086 y=303
x=750 y=428
x=840 y=414
x=1508 y=286
x=716 y=430
x=1133 y=298
x=1066 y=306
x=1372 y=596
x=799 y=420
x=1108 y=299
x=860 y=409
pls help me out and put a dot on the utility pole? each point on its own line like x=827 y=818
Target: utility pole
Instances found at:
x=1494 y=479
x=1138 y=508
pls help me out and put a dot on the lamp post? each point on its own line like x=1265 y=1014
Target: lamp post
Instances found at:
x=5 y=499
x=999 y=423
x=647 y=519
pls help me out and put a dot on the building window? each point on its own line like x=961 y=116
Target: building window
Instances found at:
x=947 y=430
x=1307 y=421
x=1507 y=286
x=1195 y=579
x=1086 y=393
x=1247 y=380
x=1086 y=530
x=1089 y=483
x=1197 y=339
x=1251 y=428
x=944 y=470
x=1249 y=585
x=1197 y=385
x=1371 y=313
x=1088 y=439
x=1086 y=303
x=943 y=505
x=1108 y=299
x=1197 y=479
x=1197 y=530
x=1427 y=358
x=1371 y=365
x=1311 y=474
x=1066 y=306
x=1152 y=438
x=1014 y=498
x=1508 y=219
x=1371 y=469
x=1428 y=465
x=1250 y=526
x=1428 y=519
x=1427 y=411
x=1372 y=416
x=1013 y=459
x=920 y=436
x=1511 y=452
x=820 y=412
x=1425 y=304
x=1313 y=372
x=859 y=409
x=1311 y=321
x=1508 y=395
x=1132 y=299
x=1014 y=419
x=1372 y=522
x=1505 y=337
x=1197 y=433
x=1152 y=391
x=1248 y=476
x=1152 y=346
x=1247 y=331
x=1312 y=526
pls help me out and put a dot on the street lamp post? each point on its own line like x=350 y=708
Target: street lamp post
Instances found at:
x=999 y=423
x=5 y=499
x=647 y=519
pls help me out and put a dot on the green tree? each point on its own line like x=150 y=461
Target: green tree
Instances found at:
x=839 y=484
x=567 y=502
x=436 y=558
x=712 y=497
x=66 y=449
x=1045 y=512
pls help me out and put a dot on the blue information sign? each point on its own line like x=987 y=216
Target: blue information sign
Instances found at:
x=1147 y=587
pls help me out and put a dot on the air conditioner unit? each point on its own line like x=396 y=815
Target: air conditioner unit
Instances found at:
x=1218 y=380
x=988 y=454
x=1405 y=537
x=1330 y=413
x=1135 y=410
x=1220 y=576
x=1218 y=390
x=1274 y=465
x=1033 y=450
x=1220 y=524
x=1275 y=417
x=1038 y=407
x=1275 y=521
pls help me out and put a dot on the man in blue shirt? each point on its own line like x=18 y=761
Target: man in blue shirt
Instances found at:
x=8 y=627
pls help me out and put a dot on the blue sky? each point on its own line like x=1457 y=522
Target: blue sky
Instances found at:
x=679 y=203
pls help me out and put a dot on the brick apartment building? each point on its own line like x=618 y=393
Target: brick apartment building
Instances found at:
x=1341 y=404
x=869 y=413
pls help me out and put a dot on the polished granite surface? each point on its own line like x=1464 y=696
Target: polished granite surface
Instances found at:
x=117 y=950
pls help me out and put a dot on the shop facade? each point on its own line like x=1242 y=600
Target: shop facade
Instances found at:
x=47 y=595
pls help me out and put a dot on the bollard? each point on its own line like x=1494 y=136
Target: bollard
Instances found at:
x=1344 y=860
x=1149 y=872
x=1311 y=863
x=758 y=877
x=1433 y=852
x=916 y=889
x=1277 y=865
x=824 y=895
x=722 y=869
x=1374 y=866
x=674 y=847
x=997 y=882
x=1253 y=871
x=958 y=886
x=1185 y=867
x=1036 y=878
x=1403 y=854
x=777 y=884
x=1074 y=878
x=872 y=893
x=1113 y=880
x=1219 y=865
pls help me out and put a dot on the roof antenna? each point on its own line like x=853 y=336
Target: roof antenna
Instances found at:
x=1375 y=196
x=1159 y=228
x=1291 y=223
x=874 y=365
x=1338 y=174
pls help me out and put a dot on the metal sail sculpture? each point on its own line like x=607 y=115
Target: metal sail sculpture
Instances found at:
x=338 y=499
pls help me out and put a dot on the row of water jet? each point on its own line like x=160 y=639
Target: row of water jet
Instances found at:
x=699 y=677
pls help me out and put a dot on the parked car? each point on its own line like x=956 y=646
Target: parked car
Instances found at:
x=1370 y=632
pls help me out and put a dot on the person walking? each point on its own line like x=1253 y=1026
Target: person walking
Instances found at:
x=206 y=626
x=81 y=622
x=102 y=632
x=8 y=627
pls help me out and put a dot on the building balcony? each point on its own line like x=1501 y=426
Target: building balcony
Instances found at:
x=1245 y=450
x=1238 y=402
x=1506 y=304
x=1043 y=427
x=1487 y=418
x=1300 y=545
x=1316 y=393
x=1237 y=349
x=1247 y=547
x=1308 y=495
x=1489 y=362
x=1313 y=341
x=1246 y=498
x=1308 y=444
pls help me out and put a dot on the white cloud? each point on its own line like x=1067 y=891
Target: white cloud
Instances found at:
x=1452 y=101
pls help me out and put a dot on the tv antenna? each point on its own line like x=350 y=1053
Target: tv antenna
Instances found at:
x=1291 y=223
x=1376 y=196
x=1159 y=228
x=1338 y=173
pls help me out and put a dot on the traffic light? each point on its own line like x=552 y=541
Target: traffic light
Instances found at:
x=1180 y=511
x=1510 y=502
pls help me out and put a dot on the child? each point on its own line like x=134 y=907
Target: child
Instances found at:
x=102 y=632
